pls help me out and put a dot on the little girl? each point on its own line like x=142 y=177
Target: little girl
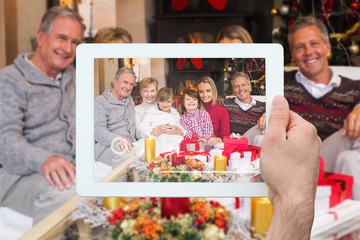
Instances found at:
x=193 y=119
x=162 y=121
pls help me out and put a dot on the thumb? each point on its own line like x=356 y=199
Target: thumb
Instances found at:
x=279 y=117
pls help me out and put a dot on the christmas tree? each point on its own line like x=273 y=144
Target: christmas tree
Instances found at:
x=254 y=67
x=341 y=17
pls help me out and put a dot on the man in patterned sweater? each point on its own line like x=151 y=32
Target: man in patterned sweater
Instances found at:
x=328 y=101
x=244 y=111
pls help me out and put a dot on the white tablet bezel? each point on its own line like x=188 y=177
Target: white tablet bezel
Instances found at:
x=85 y=55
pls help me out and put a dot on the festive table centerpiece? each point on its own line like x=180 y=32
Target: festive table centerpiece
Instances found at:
x=142 y=220
x=164 y=170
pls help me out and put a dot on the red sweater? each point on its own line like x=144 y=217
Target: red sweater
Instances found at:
x=220 y=119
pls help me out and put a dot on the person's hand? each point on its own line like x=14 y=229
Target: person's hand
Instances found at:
x=59 y=172
x=351 y=127
x=289 y=165
x=173 y=130
x=157 y=131
x=124 y=145
x=213 y=141
x=261 y=124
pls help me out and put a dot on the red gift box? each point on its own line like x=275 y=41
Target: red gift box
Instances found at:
x=346 y=184
x=194 y=141
x=241 y=143
x=335 y=190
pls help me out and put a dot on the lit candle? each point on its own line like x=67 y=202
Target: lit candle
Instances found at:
x=113 y=202
x=261 y=214
x=220 y=163
x=174 y=207
x=178 y=159
x=149 y=149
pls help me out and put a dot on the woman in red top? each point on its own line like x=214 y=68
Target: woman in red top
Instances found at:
x=218 y=114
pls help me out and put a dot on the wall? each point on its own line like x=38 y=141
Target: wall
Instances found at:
x=2 y=36
x=22 y=19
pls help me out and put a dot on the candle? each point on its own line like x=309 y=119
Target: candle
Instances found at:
x=177 y=159
x=113 y=202
x=220 y=163
x=149 y=149
x=174 y=206
x=261 y=214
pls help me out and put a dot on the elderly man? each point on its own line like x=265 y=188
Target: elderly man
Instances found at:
x=328 y=101
x=115 y=118
x=37 y=119
x=244 y=111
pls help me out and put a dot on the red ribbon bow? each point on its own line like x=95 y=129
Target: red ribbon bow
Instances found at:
x=194 y=139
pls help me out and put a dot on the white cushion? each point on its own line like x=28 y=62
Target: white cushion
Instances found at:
x=13 y=224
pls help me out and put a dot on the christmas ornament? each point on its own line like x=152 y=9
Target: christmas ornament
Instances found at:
x=262 y=87
x=329 y=55
x=274 y=12
x=354 y=49
x=284 y=10
x=229 y=69
x=224 y=70
x=275 y=31
x=354 y=6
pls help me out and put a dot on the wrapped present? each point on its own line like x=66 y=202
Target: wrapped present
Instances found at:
x=203 y=156
x=335 y=190
x=239 y=159
x=322 y=200
x=213 y=154
x=346 y=184
x=192 y=144
x=168 y=154
x=240 y=143
x=348 y=211
x=256 y=152
x=251 y=152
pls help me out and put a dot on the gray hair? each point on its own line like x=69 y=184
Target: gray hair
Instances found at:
x=238 y=75
x=53 y=13
x=124 y=70
x=307 y=21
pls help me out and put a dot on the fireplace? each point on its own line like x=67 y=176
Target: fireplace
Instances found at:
x=199 y=22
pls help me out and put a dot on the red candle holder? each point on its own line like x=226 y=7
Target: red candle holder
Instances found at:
x=174 y=207
x=178 y=159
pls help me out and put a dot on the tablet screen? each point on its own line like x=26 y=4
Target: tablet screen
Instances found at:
x=177 y=66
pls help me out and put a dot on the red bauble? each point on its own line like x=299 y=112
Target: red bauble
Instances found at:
x=354 y=6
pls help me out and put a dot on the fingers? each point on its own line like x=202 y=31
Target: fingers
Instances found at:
x=261 y=124
x=59 y=172
x=279 y=118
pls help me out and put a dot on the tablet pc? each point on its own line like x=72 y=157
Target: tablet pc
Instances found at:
x=86 y=55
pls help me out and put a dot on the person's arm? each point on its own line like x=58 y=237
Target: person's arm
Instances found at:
x=224 y=123
x=208 y=129
x=351 y=127
x=185 y=125
x=102 y=134
x=289 y=165
x=261 y=124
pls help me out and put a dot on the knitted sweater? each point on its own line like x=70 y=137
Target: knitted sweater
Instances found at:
x=240 y=120
x=37 y=117
x=198 y=122
x=219 y=118
x=328 y=112
x=113 y=118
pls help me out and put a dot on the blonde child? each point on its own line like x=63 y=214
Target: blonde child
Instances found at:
x=194 y=120
x=162 y=121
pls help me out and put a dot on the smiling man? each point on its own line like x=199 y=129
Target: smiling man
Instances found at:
x=244 y=111
x=115 y=118
x=37 y=119
x=328 y=101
